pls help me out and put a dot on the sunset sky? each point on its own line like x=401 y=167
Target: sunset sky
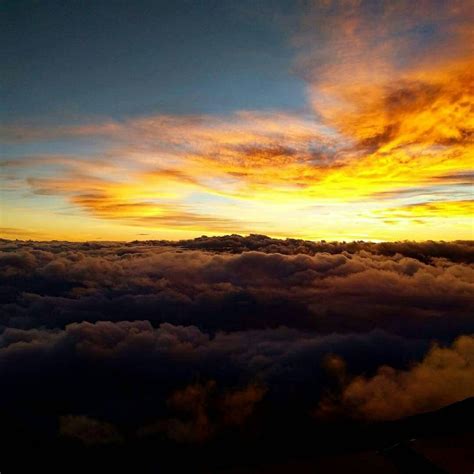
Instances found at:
x=237 y=236
x=336 y=120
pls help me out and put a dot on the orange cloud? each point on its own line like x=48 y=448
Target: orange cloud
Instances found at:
x=207 y=411
x=445 y=209
x=445 y=376
x=392 y=91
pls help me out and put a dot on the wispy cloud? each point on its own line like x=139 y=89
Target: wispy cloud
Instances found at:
x=391 y=91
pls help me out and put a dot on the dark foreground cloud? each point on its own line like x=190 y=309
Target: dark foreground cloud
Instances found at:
x=195 y=341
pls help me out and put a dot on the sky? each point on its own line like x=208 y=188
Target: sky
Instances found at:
x=337 y=120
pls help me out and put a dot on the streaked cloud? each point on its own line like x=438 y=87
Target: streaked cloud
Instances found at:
x=389 y=136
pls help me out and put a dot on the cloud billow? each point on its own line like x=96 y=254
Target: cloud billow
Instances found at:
x=241 y=312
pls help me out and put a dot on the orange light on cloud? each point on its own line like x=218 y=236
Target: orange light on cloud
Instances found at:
x=381 y=137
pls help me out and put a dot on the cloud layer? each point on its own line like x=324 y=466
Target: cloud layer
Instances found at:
x=189 y=340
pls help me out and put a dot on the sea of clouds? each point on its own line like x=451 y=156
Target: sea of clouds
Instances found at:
x=189 y=339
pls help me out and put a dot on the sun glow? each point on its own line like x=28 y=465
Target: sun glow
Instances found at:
x=385 y=153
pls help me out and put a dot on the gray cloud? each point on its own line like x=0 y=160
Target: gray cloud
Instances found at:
x=103 y=334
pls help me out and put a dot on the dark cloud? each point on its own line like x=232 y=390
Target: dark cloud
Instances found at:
x=207 y=411
x=88 y=431
x=219 y=337
x=236 y=283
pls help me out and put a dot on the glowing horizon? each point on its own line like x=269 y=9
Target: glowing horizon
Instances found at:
x=383 y=149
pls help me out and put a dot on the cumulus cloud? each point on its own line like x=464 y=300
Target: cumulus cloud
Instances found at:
x=444 y=376
x=88 y=430
x=206 y=412
x=255 y=281
x=195 y=340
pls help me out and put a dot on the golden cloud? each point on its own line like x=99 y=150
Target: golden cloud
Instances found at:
x=393 y=100
x=445 y=376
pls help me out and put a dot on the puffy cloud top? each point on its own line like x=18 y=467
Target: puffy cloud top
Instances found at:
x=195 y=340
